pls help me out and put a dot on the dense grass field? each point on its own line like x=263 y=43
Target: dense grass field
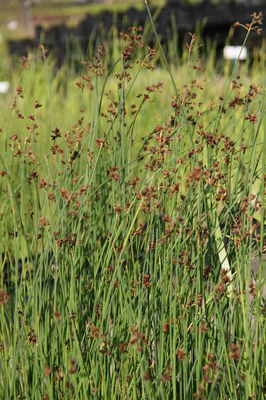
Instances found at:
x=132 y=226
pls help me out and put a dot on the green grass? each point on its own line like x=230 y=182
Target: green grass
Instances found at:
x=56 y=9
x=70 y=14
x=128 y=234
x=69 y=11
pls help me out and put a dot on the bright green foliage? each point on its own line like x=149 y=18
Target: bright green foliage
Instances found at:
x=131 y=219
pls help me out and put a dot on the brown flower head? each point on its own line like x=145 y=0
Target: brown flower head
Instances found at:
x=3 y=296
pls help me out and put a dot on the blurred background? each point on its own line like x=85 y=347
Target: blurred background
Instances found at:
x=19 y=18
x=69 y=28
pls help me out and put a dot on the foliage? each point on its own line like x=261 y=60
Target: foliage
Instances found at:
x=131 y=214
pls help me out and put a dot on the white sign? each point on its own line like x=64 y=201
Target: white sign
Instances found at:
x=234 y=52
x=4 y=86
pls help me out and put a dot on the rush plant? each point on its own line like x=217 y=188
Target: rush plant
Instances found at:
x=132 y=228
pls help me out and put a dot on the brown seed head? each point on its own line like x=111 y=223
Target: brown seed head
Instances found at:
x=3 y=296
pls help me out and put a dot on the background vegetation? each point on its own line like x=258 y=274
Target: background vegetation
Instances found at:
x=132 y=226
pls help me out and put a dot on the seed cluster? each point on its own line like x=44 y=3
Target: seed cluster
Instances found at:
x=127 y=261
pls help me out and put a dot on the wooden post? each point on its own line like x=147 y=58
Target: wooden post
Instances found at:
x=25 y=18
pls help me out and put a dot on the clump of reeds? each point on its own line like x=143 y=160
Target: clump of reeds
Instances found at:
x=128 y=249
